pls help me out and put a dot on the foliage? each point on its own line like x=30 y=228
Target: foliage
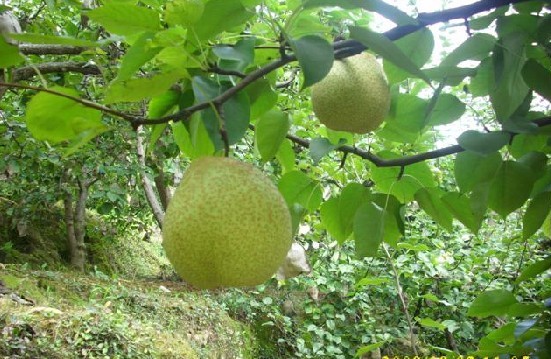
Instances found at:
x=233 y=77
x=96 y=316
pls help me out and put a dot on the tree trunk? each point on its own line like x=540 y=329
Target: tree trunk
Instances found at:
x=76 y=250
x=152 y=198
x=75 y=220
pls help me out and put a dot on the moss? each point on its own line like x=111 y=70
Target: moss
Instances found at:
x=97 y=315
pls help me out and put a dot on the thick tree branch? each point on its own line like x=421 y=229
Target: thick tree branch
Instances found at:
x=407 y=160
x=41 y=49
x=25 y=73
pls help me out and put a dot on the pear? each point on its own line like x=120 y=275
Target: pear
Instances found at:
x=227 y=225
x=354 y=96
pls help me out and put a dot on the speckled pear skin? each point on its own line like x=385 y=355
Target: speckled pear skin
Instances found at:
x=227 y=225
x=354 y=96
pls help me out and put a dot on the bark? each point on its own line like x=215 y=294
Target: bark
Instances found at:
x=76 y=249
x=162 y=189
x=75 y=219
x=147 y=184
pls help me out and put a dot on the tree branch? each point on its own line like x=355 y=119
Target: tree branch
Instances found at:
x=83 y=102
x=25 y=73
x=406 y=160
x=42 y=49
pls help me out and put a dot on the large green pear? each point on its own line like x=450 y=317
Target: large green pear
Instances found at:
x=354 y=96
x=227 y=225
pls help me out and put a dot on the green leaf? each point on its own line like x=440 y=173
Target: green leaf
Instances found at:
x=236 y=116
x=125 y=19
x=286 y=156
x=320 y=147
x=369 y=348
x=538 y=78
x=219 y=16
x=509 y=90
x=315 y=56
x=472 y=168
x=139 y=89
x=492 y=303
x=413 y=178
x=534 y=269
x=53 y=40
x=511 y=187
x=535 y=215
x=447 y=109
x=483 y=143
x=388 y=11
x=183 y=139
x=372 y=281
x=182 y=12
x=271 y=129
x=406 y=119
x=137 y=55
x=461 y=208
x=524 y=309
x=10 y=54
x=431 y=323
x=451 y=75
x=238 y=56
x=296 y=187
x=337 y=214
x=55 y=119
x=200 y=137
x=524 y=143
x=162 y=104
x=262 y=97
x=476 y=47
x=429 y=200
x=368 y=229
x=394 y=217
x=417 y=46
x=387 y=49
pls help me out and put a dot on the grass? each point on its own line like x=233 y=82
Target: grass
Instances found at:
x=77 y=315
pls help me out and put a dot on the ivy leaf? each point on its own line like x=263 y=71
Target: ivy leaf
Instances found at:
x=125 y=19
x=534 y=269
x=337 y=214
x=368 y=229
x=483 y=143
x=271 y=129
x=296 y=187
x=472 y=168
x=55 y=119
x=535 y=215
x=538 y=78
x=387 y=49
x=493 y=302
x=431 y=323
x=315 y=56
x=511 y=187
